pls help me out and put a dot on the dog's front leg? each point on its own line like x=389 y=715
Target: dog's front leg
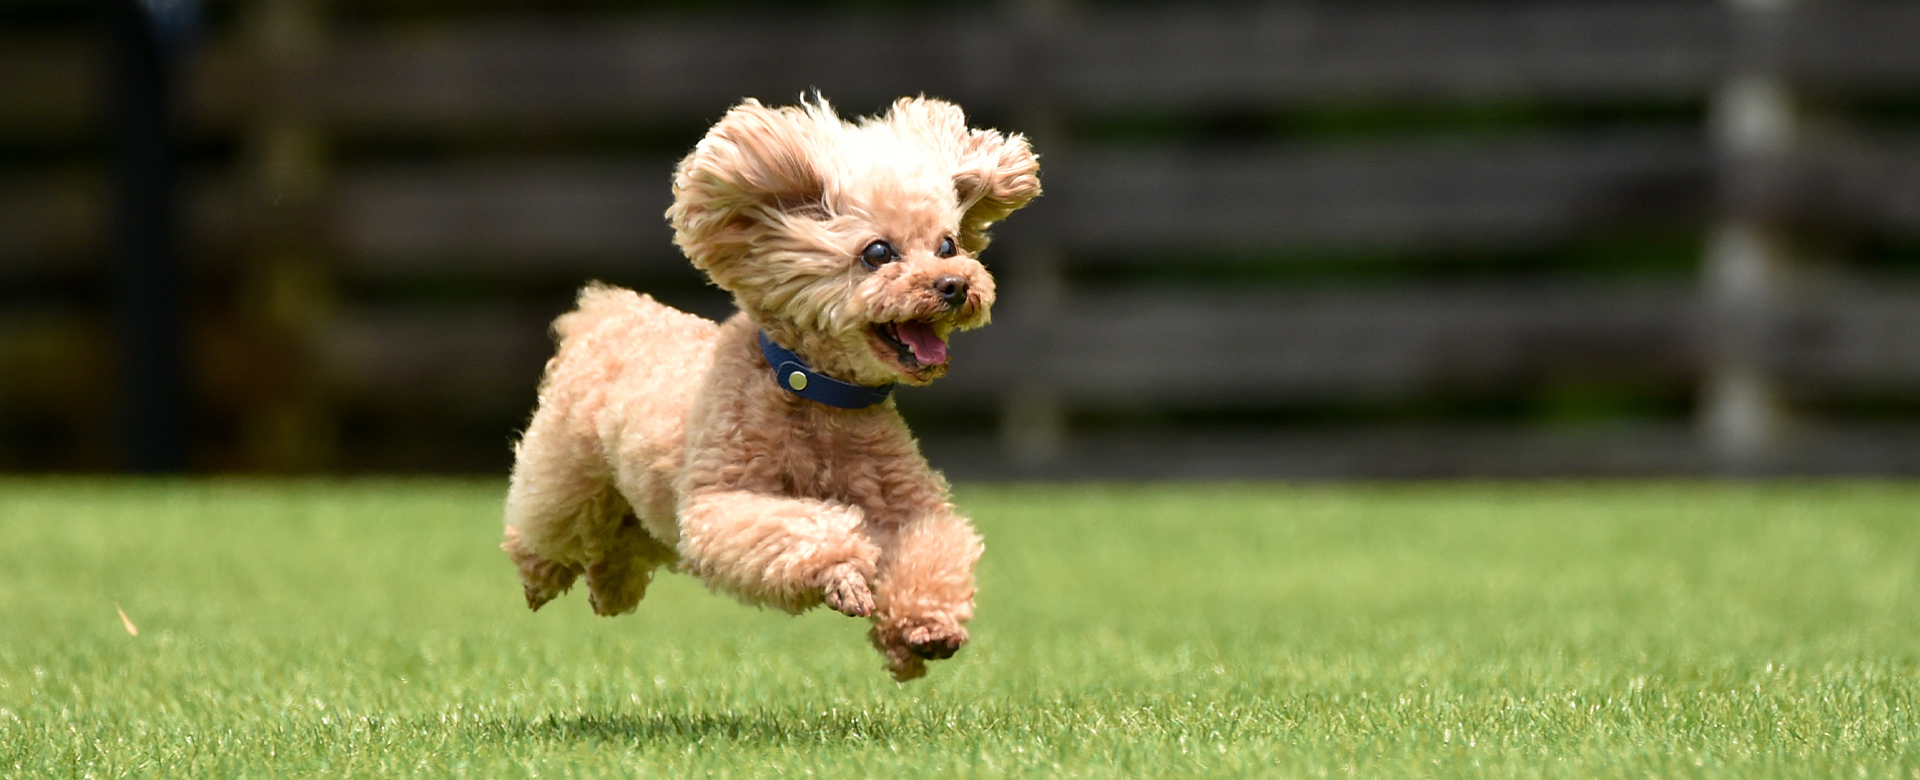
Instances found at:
x=791 y=553
x=924 y=592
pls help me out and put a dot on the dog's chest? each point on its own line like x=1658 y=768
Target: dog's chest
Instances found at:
x=840 y=458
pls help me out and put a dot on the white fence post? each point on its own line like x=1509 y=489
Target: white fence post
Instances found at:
x=1755 y=127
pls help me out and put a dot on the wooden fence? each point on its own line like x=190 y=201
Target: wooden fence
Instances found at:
x=1278 y=239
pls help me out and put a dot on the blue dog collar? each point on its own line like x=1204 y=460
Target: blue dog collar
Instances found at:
x=795 y=376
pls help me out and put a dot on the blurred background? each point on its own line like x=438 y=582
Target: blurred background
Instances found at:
x=1294 y=239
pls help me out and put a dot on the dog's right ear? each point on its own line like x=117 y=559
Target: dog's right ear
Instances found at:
x=995 y=174
x=998 y=175
x=754 y=167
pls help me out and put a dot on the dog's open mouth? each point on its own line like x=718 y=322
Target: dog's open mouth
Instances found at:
x=915 y=343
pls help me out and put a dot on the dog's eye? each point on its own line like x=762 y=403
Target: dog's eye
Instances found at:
x=877 y=254
x=946 y=247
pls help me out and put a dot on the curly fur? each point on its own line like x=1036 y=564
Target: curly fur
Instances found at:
x=661 y=438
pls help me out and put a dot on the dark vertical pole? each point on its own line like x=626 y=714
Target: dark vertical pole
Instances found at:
x=143 y=37
x=1033 y=418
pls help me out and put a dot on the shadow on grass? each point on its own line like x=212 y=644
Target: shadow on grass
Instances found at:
x=757 y=727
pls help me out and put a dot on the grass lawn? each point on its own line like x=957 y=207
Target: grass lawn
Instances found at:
x=1562 y=630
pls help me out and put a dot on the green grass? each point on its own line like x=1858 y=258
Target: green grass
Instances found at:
x=1558 y=630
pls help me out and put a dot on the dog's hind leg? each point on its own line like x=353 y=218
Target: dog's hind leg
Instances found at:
x=618 y=579
x=556 y=508
x=542 y=579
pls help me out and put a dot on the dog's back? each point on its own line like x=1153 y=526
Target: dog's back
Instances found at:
x=606 y=441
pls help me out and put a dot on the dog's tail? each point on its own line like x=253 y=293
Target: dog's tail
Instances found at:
x=597 y=301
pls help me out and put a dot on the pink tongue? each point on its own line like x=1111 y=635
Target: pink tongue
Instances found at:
x=927 y=346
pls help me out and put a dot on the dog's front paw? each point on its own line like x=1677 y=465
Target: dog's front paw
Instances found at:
x=845 y=589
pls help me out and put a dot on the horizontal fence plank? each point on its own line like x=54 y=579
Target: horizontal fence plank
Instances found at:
x=59 y=220
x=516 y=72
x=1389 y=198
x=633 y=70
x=1338 y=452
x=1874 y=181
x=1245 y=350
x=1257 y=55
x=1424 y=452
x=1854 y=47
x=539 y=217
x=579 y=217
x=1402 y=196
x=1150 y=205
x=51 y=86
x=54 y=357
x=627 y=69
x=1831 y=340
x=1519 y=193
x=1190 y=349
x=1846 y=336
x=57 y=400
x=447 y=359
x=48 y=217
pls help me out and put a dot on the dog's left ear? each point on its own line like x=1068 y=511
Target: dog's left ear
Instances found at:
x=995 y=173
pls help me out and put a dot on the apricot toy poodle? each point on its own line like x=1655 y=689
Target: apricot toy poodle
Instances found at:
x=764 y=454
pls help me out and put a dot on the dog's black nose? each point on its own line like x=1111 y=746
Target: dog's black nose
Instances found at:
x=952 y=288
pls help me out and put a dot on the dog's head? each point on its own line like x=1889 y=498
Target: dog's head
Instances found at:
x=852 y=243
